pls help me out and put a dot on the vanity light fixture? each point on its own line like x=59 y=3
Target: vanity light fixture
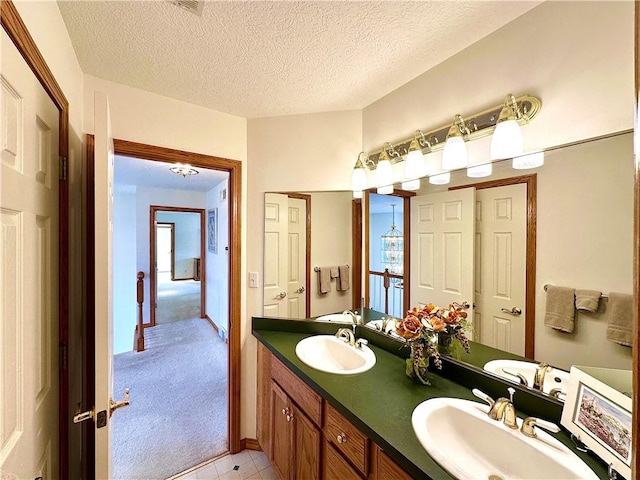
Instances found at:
x=184 y=169
x=507 y=139
x=440 y=178
x=455 y=151
x=415 y=165
x=532 y=160
x=453 y=137
x=384 y=171
x=359 y=175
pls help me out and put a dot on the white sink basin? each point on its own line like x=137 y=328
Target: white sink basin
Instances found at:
x=459 y=435
x=339 y=317
x=553 y=379
x=333 y=355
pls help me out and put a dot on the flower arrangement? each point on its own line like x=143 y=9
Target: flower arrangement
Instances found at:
x=428 y=331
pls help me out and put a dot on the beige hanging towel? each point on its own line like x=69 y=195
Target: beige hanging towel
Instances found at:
x=343 y=280
x=561 y=312
x=620 y=312
x=324 y=280
x=334 y=272
x=587 y=300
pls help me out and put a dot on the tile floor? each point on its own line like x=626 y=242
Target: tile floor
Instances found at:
x=248 y=464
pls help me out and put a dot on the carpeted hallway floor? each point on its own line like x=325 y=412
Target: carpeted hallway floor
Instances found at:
x=177 y=300
x=178 y=412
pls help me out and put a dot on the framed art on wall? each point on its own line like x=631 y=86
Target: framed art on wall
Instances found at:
x=212 y=229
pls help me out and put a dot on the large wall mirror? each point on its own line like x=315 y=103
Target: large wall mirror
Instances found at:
x=583 y=216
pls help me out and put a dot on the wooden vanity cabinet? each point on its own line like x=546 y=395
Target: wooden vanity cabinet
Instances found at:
x=295 y=440
x=305 y=438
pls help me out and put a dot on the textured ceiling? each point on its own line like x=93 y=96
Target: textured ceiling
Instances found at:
x=269 y=58
x=152 y=174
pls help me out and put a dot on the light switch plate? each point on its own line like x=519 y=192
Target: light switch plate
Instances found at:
x=253 y=280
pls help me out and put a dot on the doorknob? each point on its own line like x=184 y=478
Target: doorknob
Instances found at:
x=113 y=406
x=281 y=295
x=514 y=311
x=80 y=417
x=300 y=290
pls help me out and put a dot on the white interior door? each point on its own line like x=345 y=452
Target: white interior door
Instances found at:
x=501 y=242
x=442 y=248
x=297 y=259
x=28 y=275
x=103 y=181
x=275 y=258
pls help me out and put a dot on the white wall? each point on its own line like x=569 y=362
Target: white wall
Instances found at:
x=330 y=246
x=217 y=270
x=145 y=197
x=577 y=57
x=298 y=153
x=125 y=306
x=187 y=241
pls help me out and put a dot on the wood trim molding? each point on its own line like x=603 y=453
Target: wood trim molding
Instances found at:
x=26 y=45
x=234 y=169
x=356 y=252
x=250 y=444
x=406 y=226
x=530 y=281
x=153 y=280
x=213 y=324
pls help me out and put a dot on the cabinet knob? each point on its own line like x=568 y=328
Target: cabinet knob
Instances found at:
x=342 y=438
x=285 y=411
x=289 y=418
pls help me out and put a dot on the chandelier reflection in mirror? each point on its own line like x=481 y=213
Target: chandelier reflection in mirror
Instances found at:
x=503 y=121
x=392 y=248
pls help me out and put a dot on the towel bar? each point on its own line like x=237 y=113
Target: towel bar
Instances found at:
x=546 y=287
x=317 y=269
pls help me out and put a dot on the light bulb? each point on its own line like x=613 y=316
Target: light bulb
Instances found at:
x=358 y=179
x=411 y=185
x=478 y=171
x=506 y=141
x=414 y=165
x=384 y=173
x=357 y=194
x=385 y=190
x=532 y=160
x=454 y=154
x=440 y=179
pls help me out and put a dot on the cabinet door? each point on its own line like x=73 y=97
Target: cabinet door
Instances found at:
x=307 y=447
x=281 y=438
x=336 y=467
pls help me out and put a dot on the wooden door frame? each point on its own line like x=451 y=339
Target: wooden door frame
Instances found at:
x=234 y=169
x=406 y=227
x=531 y=182
x=172 y=229
x=153 y=280
x=356 y=252
x=20 y=36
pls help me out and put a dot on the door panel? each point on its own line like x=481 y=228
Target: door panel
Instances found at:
x=275 y=258
x=442 y=244
x=103 y=187
x=501 y=228
x=29 y=271
x=297 y=256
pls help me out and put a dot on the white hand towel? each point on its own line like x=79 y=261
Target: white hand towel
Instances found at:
x=620 y=313
x=561 y=312
x=343 y=281
x=587 y=300
x=324 y=280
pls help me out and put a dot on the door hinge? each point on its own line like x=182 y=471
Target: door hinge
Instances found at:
x=63 y=168
x=63 y=357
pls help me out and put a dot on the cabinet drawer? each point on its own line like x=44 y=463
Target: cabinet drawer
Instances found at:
x=348 y=440
x=335 y=467
x=302 y=394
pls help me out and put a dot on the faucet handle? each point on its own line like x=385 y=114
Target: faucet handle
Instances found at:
x=511 y=391
x=483 y=396
x=530 y=422
x=361 y=342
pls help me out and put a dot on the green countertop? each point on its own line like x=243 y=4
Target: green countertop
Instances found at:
x=380 y=401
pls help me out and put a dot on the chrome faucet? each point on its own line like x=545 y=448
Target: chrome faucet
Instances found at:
x=530 y=422
x=354 y=318
x=346 y=336
x=538 y=378
x=500 y=409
